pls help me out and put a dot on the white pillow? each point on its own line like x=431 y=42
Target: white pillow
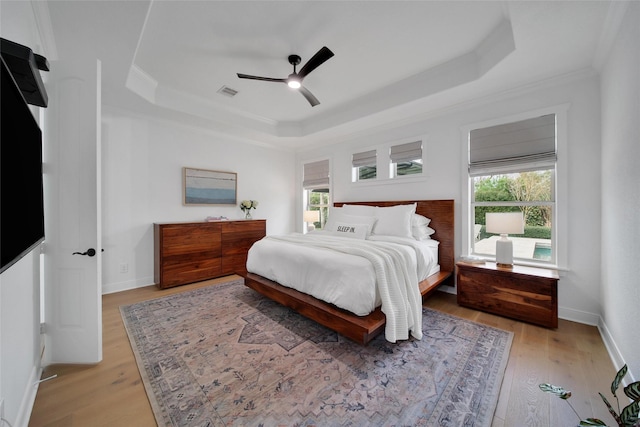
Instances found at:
x=361 y=210
x=337 y=216
x=394 y=220
x=351 y=230
x=417 y=220
x=333 y=214
x=422 y=232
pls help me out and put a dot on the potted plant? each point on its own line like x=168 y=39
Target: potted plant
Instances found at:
x=628 y=417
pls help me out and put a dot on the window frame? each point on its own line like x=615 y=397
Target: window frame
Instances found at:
x=385 y=166
x=322 y=207
x=306 y=192
x=356 y=171
x=393 y=165
x=559 y=232
x=515 y=203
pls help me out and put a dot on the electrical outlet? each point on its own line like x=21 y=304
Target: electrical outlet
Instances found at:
x=124 y=267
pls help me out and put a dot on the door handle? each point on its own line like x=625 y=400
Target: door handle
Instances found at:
x=88 y=252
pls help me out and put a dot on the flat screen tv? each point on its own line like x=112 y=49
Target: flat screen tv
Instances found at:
x=21 y=189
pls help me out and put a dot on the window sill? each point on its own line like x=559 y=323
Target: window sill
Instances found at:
x=388 y=181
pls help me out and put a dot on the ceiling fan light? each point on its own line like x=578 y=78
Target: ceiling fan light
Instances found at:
x=293 y=82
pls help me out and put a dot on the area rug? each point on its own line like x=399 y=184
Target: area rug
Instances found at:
x=224 y=355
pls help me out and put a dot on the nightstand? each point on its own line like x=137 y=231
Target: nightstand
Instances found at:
x=529 y=294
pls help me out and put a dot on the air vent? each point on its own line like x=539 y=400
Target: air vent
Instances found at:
x=227 y=91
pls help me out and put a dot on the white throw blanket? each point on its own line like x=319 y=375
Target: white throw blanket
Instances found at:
x=396 y=278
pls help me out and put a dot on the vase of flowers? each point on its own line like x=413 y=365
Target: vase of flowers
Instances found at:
x=246 y=206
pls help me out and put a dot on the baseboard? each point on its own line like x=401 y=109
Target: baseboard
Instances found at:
x=28 y=398
x=587 y=319
x=614 y=352
x=609 y=343
x=126 y=285
x=578 y=316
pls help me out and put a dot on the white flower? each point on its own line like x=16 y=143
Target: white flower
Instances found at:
x=247 y=205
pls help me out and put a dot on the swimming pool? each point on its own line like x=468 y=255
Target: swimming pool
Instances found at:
x=542 y=251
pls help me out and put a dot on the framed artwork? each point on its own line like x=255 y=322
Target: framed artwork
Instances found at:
x=205 y=187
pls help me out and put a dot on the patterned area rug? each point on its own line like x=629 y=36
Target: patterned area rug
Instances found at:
x=225 y=355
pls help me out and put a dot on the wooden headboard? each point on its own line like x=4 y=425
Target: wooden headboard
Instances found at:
x=442 y=217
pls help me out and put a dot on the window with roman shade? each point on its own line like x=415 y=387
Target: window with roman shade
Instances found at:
x=316 y=175
x=525 y=145
x=364 y=165
x=316 y=192
x=512 y=168
x=406 y=159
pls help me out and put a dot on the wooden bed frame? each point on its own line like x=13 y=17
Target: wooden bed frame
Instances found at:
x=363 y=329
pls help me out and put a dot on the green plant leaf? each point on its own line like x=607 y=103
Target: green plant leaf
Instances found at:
x=558 y=391
x=616 y=382
x=629 y=415
x=611 y=410
x=592 y=422
x=633 y=391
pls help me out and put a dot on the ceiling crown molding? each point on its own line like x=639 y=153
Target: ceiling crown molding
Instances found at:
x=460 y=70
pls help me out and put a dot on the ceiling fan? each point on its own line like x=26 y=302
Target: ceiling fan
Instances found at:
x=295 y=79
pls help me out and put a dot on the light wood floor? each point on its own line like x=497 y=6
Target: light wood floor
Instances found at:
x=573 y=356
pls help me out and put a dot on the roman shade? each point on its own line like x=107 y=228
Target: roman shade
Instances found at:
x=366 y=158
x=316 y=175
x=513 y=147
x=406 y=152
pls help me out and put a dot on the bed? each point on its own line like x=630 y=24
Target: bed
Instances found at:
x=363 y=328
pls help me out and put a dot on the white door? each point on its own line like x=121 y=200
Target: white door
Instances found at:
x=73 y=286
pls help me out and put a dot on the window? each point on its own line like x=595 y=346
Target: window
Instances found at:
x=406 y=159
x=316 y=190
x=364 y=165
x=512 y=168
x=318 y=200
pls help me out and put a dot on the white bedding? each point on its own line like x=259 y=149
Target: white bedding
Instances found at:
x=328 y=268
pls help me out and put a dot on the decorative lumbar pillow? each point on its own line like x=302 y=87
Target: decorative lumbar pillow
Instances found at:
x=394 y=220
x=337 y=216
x=352 y=230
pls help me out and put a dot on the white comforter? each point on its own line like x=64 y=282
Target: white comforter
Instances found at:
x=357 y=275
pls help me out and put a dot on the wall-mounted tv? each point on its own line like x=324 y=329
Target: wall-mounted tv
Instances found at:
x=21 y=189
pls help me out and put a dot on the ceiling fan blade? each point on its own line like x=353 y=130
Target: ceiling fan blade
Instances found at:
x=266 y=79
x=316 y=60
x=309 y=96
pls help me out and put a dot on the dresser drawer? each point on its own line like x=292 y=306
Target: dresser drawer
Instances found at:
x=191 y=239
x=179 y=271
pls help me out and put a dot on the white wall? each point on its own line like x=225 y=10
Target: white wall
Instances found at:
x=620 y=291
x=579 y=295
x=142 y=162
x=20 y=284
x=20 y=336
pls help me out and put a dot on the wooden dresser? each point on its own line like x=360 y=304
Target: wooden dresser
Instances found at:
x=524 y=293
x=189 y=252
